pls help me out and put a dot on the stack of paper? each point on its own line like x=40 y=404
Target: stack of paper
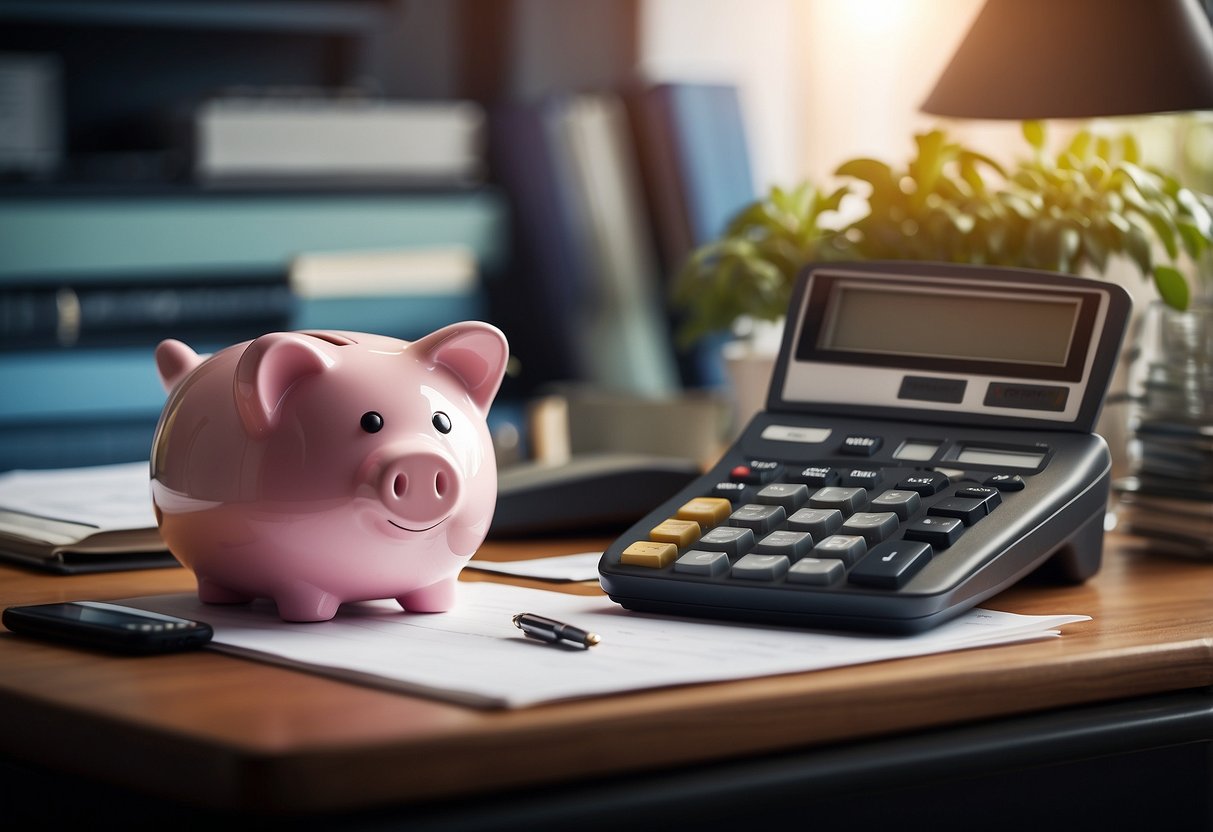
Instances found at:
x=81 y=519
x=474 y=655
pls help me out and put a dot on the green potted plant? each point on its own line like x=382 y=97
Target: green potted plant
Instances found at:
x=1070 y=212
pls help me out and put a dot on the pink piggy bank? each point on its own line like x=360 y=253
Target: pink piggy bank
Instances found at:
x=314 y=468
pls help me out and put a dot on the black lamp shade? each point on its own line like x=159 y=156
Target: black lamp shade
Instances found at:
x=1036 y=59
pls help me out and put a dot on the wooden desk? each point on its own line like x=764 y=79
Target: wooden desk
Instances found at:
x=225 y=734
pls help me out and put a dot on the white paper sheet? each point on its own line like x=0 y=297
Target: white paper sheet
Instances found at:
x=106 y=497
x=581 y=567
x=474 y=654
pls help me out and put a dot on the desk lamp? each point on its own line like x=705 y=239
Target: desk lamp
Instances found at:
x=1039 y=59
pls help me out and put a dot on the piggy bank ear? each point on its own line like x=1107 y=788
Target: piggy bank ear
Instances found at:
x=475 y=352
x=174 y=361
x=267 y=370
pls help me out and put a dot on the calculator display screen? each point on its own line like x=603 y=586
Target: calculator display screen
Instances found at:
x=908 y=321
x=947 y=327
x=949 y=343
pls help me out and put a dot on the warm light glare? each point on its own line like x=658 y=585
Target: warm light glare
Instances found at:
x=869 y=19
x=867 y=66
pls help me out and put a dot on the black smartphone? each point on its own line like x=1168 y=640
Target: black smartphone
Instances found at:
x=108 y=627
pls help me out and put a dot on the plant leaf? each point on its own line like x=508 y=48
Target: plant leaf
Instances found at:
x=1034 y=132
x=1172 y=287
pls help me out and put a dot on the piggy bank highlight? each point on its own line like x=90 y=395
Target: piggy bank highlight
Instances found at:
x=315 y=468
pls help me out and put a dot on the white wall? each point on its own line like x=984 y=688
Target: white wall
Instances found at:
x=821 y=81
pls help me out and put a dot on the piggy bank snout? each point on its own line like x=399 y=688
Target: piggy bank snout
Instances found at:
x=420 y=488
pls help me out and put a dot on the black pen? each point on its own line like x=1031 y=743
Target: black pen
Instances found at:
x=545 y=629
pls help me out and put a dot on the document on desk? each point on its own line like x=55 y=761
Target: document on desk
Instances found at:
x=474 y=654
x=89 y=519
x=580 y=567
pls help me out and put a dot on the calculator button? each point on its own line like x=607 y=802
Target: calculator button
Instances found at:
x=872 y=526
x=792 y=545
x=988 y=493
x=816 y=476
x=760 y=518
x=891 y=564
x=860 y=445
x=901 y=503
x=706 y=511
x=1005 y=482
x=845 y=547
x=735 y=492
x=846 y=500
x=940 y=532
x=649 y=553
x=733 y=540
x=681 y=533
x=816 y=571
x=967 y=510
x=756 y=567
x=868 y=478
x=756 y=471
x=699 y=562
x=819 y=522
x=787 y=494
x=925 y=484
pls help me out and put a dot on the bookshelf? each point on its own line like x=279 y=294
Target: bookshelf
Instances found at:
x=122 y=209
x=117 y=244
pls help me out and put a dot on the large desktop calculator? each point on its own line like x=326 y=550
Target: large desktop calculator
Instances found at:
x=927 y=442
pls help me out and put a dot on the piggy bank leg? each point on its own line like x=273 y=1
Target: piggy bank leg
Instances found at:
x=438 y=597
x=210 y=592
x=309 y=604
x=306 y=603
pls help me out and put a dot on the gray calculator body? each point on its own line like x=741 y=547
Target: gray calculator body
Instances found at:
x=927 y=442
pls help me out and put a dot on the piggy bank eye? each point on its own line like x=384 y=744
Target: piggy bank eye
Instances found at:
x=442 y=422
x=371 y=422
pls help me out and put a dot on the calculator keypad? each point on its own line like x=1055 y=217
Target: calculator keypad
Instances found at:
x=819 y=526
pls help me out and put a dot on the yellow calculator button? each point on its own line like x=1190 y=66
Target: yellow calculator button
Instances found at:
x=681 y=533
x=649 y=553
x=706 y=511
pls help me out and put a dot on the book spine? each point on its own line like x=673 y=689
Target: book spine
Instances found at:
x=399 y=316
x=92 y=239
x=271 y=138
x=33 y=316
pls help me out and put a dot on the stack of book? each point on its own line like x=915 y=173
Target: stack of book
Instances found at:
x=90 y=283
x=1170 y=498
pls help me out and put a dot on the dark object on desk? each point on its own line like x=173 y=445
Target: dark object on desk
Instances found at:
x=108 y=627
x=70 y=562
x=590 y=493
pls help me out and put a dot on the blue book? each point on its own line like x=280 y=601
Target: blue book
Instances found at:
x=707 y=129
x=550 y=280
x=698 y=176
x=144 y=237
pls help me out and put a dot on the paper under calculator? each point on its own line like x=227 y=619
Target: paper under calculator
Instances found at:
x=927 y=442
